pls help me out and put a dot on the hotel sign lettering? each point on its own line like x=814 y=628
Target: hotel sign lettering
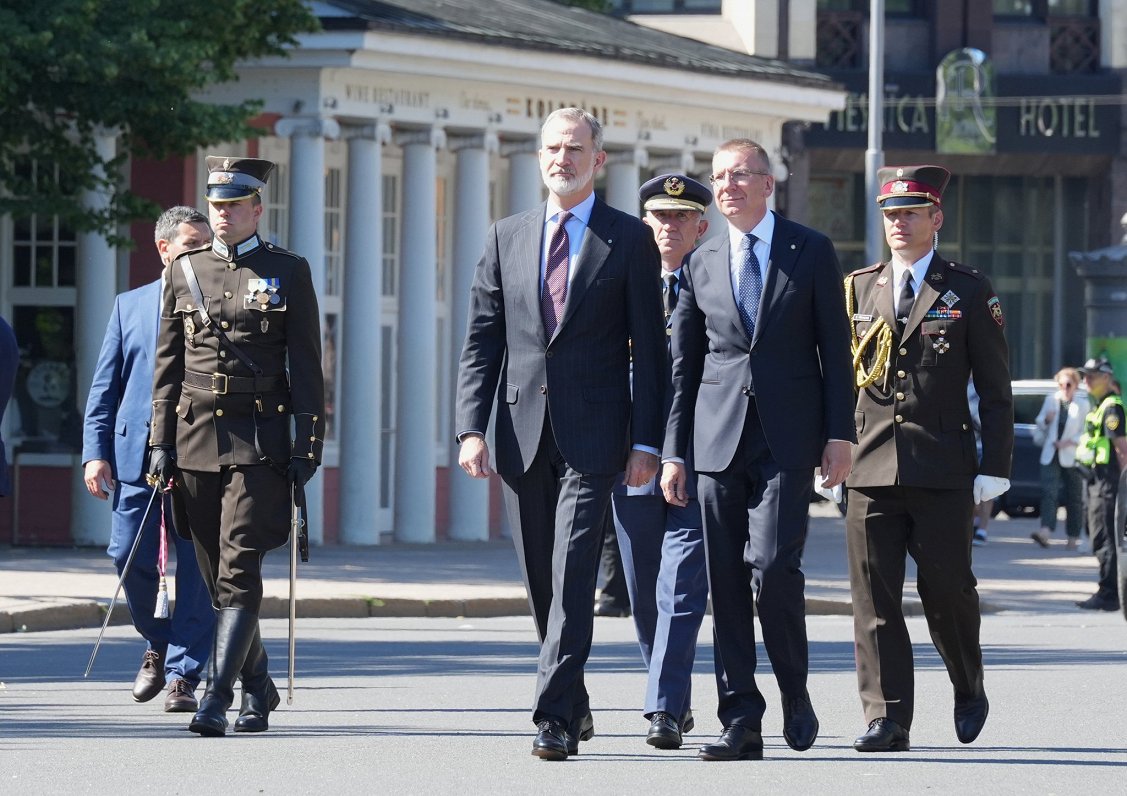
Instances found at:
x=1032 y=114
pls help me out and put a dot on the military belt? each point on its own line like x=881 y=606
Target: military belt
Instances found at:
x=221 y=383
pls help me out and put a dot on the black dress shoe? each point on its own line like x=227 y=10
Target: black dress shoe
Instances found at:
x=883 y=735
x=800 y=725
x=1098 y=603
x=181 y=697
x=735 y=743
x=551 y=741
x=150 y=679
x=585 y=732
x=605 y=606
x=664 y=732
x=970 y=716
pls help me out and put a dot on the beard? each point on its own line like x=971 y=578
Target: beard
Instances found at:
x=568 y=184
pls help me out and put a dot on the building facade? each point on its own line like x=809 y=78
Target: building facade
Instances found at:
x=401 y=130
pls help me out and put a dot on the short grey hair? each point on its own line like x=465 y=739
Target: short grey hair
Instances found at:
x=170 y=220
x=577 y=115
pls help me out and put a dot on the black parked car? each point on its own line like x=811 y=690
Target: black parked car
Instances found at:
x=1024 y=496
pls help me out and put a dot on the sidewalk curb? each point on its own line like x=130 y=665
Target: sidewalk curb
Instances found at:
x=90 y=614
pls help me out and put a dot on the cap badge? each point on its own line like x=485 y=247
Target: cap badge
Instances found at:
x=899 y=186
x=674 y=186
x=223 y=178
x=226 y=164
x=900 y=172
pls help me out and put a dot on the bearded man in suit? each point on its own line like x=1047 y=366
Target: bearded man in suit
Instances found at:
x=560 y=295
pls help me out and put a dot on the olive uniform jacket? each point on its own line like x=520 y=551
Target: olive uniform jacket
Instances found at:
x=914 y=424
x=206 y=402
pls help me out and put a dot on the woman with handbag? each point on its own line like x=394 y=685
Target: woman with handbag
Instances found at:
x=1059 y=426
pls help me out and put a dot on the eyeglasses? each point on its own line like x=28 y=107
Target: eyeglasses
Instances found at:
x=738 y=176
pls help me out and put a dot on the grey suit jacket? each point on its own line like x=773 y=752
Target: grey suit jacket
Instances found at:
x=582 y=375
x=798 y=366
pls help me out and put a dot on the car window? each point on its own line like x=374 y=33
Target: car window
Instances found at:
x=1026 y=407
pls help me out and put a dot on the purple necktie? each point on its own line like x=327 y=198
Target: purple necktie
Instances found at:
x=555 y=277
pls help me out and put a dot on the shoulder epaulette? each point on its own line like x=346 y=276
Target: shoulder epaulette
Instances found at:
x=965 y=269
x=868 y=269
x=274 y=249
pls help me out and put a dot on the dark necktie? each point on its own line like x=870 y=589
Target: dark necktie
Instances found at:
x=751 y=285
x=554 y=294
x=904 y=304
x=669 y=295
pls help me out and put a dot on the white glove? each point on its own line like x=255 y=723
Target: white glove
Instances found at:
x=988 y=487
x=832 y=495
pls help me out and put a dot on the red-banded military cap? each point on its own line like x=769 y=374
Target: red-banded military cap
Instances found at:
x=911 y=186
x=231 y=179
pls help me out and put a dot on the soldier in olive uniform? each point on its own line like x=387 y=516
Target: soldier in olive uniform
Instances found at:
x=922 y=326
x=223 y=412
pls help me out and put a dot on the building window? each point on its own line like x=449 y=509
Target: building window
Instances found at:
x=390 y=235
x=45 y=398
x=623 y=7
x=837 y=208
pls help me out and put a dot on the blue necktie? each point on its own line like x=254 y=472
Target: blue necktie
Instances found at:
x=751 y=285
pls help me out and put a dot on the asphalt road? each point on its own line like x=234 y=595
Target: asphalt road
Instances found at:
x=433 y=705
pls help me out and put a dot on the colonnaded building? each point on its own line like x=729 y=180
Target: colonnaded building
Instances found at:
x=401 y=130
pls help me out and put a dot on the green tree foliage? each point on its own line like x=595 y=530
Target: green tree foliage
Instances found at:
x=70 y=69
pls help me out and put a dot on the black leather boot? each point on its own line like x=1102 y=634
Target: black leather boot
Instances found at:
x=234 y=632
x=260 y=695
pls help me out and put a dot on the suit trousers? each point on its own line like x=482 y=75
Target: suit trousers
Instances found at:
x=235 y=516
x=663 y=557
x=883 y=526
x=755 y=520
x=558 y=518
x=185 y=636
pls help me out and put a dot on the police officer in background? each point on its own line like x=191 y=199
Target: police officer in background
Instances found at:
x=1102 y=453
x=223 y=411
x=662 y=543
x=922 y=326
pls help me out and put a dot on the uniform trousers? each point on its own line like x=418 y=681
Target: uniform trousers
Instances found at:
x=883 y=526
x=184 y=637
x=558 y=517
x=234 y=516
x=1102 y=493
x=755 y=516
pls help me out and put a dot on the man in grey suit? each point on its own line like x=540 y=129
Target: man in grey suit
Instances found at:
x=560 y=295
x=762 y=382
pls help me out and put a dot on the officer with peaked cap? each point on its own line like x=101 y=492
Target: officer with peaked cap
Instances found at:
x=922 y=327
x=231 y=427
x=1102 y=454
x=662 y=544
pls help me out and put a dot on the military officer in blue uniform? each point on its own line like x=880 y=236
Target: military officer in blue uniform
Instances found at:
x=231 y=425
x=662 y=543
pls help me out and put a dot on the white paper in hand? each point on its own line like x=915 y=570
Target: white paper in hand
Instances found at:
x=833 y=494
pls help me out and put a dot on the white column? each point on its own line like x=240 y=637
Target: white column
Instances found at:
x=526 y=189
x=307 y=238
x=359 y=410
x=469 y=497
x=623 y=180
x=96 y=288
x=417 y=395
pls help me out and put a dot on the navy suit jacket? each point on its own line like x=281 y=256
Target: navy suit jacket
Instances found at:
x=9 y=362
x=798 y=366
x=120 y=404
x=582 y=375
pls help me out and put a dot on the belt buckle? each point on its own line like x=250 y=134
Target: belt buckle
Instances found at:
x=215 y=380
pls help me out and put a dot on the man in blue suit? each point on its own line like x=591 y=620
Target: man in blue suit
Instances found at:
x=662 y=544
x=763 y=393
x=114 y=455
